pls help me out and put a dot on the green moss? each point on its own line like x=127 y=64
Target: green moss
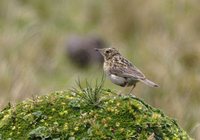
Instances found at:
x=64 y=115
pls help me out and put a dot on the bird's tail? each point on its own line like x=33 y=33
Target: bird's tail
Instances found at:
x=149 y=83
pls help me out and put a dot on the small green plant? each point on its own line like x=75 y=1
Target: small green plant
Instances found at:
x=90 y=95
x=66 y=116
x=39 y=133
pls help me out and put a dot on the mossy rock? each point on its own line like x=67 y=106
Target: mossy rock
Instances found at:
x=64 y=115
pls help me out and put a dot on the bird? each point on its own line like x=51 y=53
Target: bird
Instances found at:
x=121 y=71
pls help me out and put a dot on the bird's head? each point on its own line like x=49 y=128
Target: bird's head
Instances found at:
x=108 y=53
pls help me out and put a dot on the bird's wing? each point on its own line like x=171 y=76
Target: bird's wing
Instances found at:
x=127 y=72
x=126 y=69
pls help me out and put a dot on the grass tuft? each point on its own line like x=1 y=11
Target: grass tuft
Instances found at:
x=92 y=96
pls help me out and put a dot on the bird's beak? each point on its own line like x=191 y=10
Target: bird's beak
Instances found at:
x=99 y=50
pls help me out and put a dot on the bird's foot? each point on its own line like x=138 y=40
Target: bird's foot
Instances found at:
x=132 y=95
x=119 y=94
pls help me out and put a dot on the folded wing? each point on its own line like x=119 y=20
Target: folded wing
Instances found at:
x=127 y=71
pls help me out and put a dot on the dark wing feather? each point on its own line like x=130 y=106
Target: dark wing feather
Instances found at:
x=124 y=68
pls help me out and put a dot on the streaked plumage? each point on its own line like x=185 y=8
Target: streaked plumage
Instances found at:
x=120 y=71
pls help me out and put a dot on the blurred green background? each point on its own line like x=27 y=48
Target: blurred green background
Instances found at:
x=162 y=38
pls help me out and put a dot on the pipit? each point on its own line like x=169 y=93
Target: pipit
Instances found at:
x=120 y=71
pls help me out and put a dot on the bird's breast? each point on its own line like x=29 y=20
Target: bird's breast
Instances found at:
x=106 y=68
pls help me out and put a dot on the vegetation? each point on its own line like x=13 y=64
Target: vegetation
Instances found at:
x=88 y=113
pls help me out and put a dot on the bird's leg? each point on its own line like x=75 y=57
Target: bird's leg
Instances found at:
x=120 y=93
x=132 y=88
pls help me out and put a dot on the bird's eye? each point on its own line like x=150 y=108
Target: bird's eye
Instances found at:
x=107 y=51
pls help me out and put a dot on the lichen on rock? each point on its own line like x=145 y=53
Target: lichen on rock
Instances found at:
x=64 y=115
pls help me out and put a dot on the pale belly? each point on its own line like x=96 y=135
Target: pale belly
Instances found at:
x=122 y=81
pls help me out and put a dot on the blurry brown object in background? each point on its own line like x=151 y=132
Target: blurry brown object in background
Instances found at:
x=80 y=50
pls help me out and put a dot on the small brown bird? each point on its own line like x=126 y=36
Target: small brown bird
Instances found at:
x=120 y=71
